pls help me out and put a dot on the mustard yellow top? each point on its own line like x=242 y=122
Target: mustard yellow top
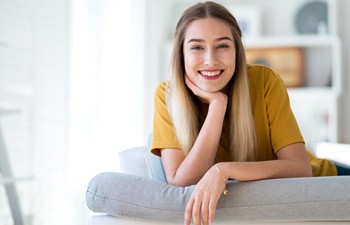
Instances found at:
x=276 y=126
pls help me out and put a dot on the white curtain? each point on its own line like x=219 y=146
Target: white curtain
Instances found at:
x=106 y=89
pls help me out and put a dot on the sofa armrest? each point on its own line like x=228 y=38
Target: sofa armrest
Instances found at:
x=313 y=199
x=141 y=162
x=132 y=161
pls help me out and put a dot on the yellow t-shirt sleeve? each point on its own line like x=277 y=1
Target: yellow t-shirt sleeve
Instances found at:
x=279 y=119
x=284 y=128
x=275 y=123
x=322 y=167
x=163 y=130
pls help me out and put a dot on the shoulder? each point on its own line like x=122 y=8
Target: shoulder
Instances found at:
x=162 y=86
x=263 y=76
x=261 y=72
x=161 y=91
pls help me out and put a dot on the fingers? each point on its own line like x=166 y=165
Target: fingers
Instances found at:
x=205 y=96
x=193 y=210
x=202 y=95
x=212 y=211
x=196 y=213
x=204 y=211
x=188 y=211
x=200 y=209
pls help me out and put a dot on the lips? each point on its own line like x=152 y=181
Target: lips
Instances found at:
x=211 y=74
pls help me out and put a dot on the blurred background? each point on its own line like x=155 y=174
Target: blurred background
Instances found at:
x=77 y=79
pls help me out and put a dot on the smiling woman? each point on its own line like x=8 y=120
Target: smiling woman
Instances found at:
x=219 y=118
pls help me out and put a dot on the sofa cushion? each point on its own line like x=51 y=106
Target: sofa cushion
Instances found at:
x=132 y=161
x=289 y=199
x=155 y=167
x=154 y=163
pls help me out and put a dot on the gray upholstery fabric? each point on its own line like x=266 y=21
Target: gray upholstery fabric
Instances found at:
x=155 y=166
x=290 y=199
x=154 y=163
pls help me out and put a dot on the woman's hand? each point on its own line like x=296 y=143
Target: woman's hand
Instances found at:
x=204 y=198
x=206 y=97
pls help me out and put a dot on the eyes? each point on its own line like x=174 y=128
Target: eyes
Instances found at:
x=202 y=47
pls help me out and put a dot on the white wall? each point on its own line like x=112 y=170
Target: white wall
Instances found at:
x=344 y=31
x=155 y=36
x=79 y=109
x=34 y=57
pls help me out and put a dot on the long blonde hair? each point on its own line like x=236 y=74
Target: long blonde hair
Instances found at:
x=181 y=101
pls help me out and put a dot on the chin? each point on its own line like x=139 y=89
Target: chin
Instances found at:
x=211 y=89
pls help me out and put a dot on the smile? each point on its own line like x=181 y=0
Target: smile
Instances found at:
x=210 y=74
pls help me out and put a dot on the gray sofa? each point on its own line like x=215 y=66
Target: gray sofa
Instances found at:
x=138 y=194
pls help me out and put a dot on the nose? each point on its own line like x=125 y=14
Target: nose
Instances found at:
x=210 y=58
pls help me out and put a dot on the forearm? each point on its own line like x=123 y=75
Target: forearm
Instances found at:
x=202 y=155
x=281 y=168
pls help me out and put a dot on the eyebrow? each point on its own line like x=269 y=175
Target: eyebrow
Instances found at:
x=201 y=40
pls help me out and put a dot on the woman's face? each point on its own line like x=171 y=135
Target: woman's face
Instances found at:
x=209 y=54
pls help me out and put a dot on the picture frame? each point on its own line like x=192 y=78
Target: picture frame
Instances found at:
x=248 y=18
x=287 y=62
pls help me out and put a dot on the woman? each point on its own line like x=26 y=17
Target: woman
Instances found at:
x=219 y=118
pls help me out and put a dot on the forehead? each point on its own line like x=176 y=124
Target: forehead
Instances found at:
x=208 y=29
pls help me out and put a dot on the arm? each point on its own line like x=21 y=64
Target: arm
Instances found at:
x=292 y=162
x=184 y=170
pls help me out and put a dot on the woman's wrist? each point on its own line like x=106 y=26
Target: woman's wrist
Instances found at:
x=221 y=99
x=221 y=166
x=218 y=105
x=223 y=177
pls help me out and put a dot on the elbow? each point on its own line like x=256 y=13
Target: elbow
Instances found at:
x=178 y=182
x=172 y=181
x=309 y=171
x=175 y=183
x=306 y=171
x=300 y=169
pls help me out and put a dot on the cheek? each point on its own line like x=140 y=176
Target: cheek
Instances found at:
x=190 y=63
x=230 y=60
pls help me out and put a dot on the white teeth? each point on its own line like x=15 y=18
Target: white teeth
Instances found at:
x=211 y=73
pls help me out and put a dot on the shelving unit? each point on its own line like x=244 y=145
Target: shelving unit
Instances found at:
x=306 y=41
x=317 y=49
x=315 y=102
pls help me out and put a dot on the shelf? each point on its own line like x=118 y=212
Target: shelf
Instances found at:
x=291 y=41
x=316 y=91
x=7 y=108
x=14 y=180
x=3 y=44
x=22 y=90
